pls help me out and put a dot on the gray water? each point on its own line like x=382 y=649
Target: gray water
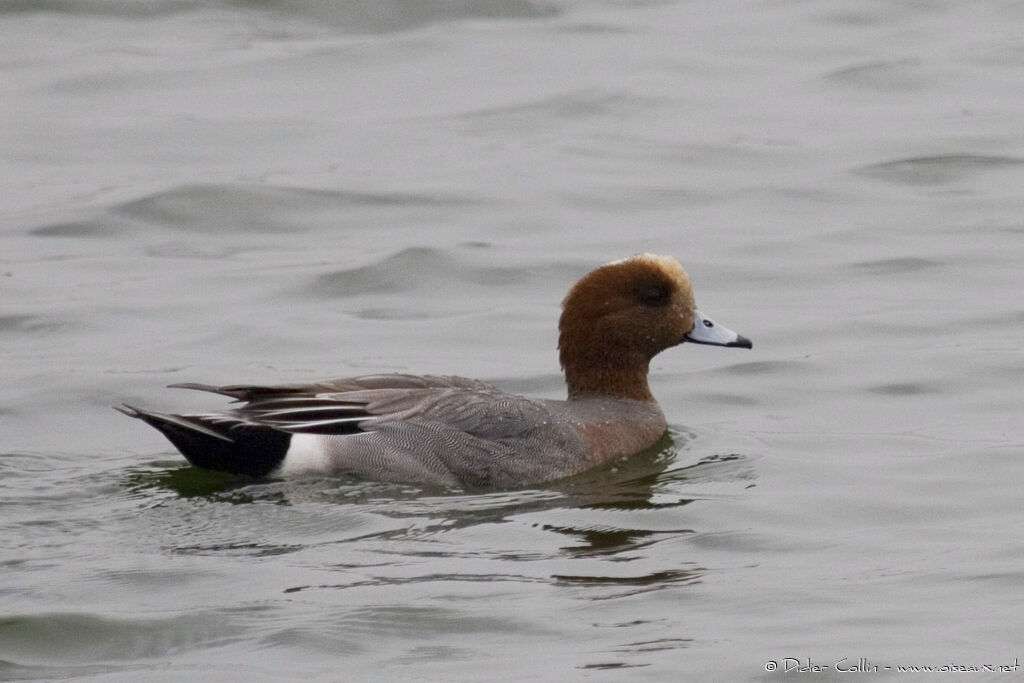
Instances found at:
x=246 y=191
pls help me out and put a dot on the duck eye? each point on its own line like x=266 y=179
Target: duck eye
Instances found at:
x=654 y=296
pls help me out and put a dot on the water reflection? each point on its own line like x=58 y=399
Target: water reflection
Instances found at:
x=642 y=581
x=615 y=513
x=644 y=482
x=185 y=481
x=612 y=532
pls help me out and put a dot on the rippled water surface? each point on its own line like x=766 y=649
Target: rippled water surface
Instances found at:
x=281 y=191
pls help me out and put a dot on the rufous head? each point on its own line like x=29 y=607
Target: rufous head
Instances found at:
x=620 y=315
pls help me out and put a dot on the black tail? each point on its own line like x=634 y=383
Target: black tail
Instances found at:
x=228 y=446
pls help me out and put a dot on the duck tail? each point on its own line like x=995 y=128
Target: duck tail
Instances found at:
x=219 y=443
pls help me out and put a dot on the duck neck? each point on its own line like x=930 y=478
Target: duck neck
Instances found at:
x=628 y=380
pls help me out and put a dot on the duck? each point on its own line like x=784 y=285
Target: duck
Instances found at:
x=454 y=431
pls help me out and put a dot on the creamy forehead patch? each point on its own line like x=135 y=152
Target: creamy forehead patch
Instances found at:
x=666 y=264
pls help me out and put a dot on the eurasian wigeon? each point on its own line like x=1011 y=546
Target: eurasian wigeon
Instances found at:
x=454 y=431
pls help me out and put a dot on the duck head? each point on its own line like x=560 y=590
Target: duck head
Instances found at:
x=620 y=315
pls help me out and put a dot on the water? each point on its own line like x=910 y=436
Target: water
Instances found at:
x=274 y=192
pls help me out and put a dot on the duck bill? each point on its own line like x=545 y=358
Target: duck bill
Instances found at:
x=707 y=331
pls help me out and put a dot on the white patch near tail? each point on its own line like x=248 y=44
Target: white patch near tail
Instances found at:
x=306 y=455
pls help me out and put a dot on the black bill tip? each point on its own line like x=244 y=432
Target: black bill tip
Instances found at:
x=741 y=343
